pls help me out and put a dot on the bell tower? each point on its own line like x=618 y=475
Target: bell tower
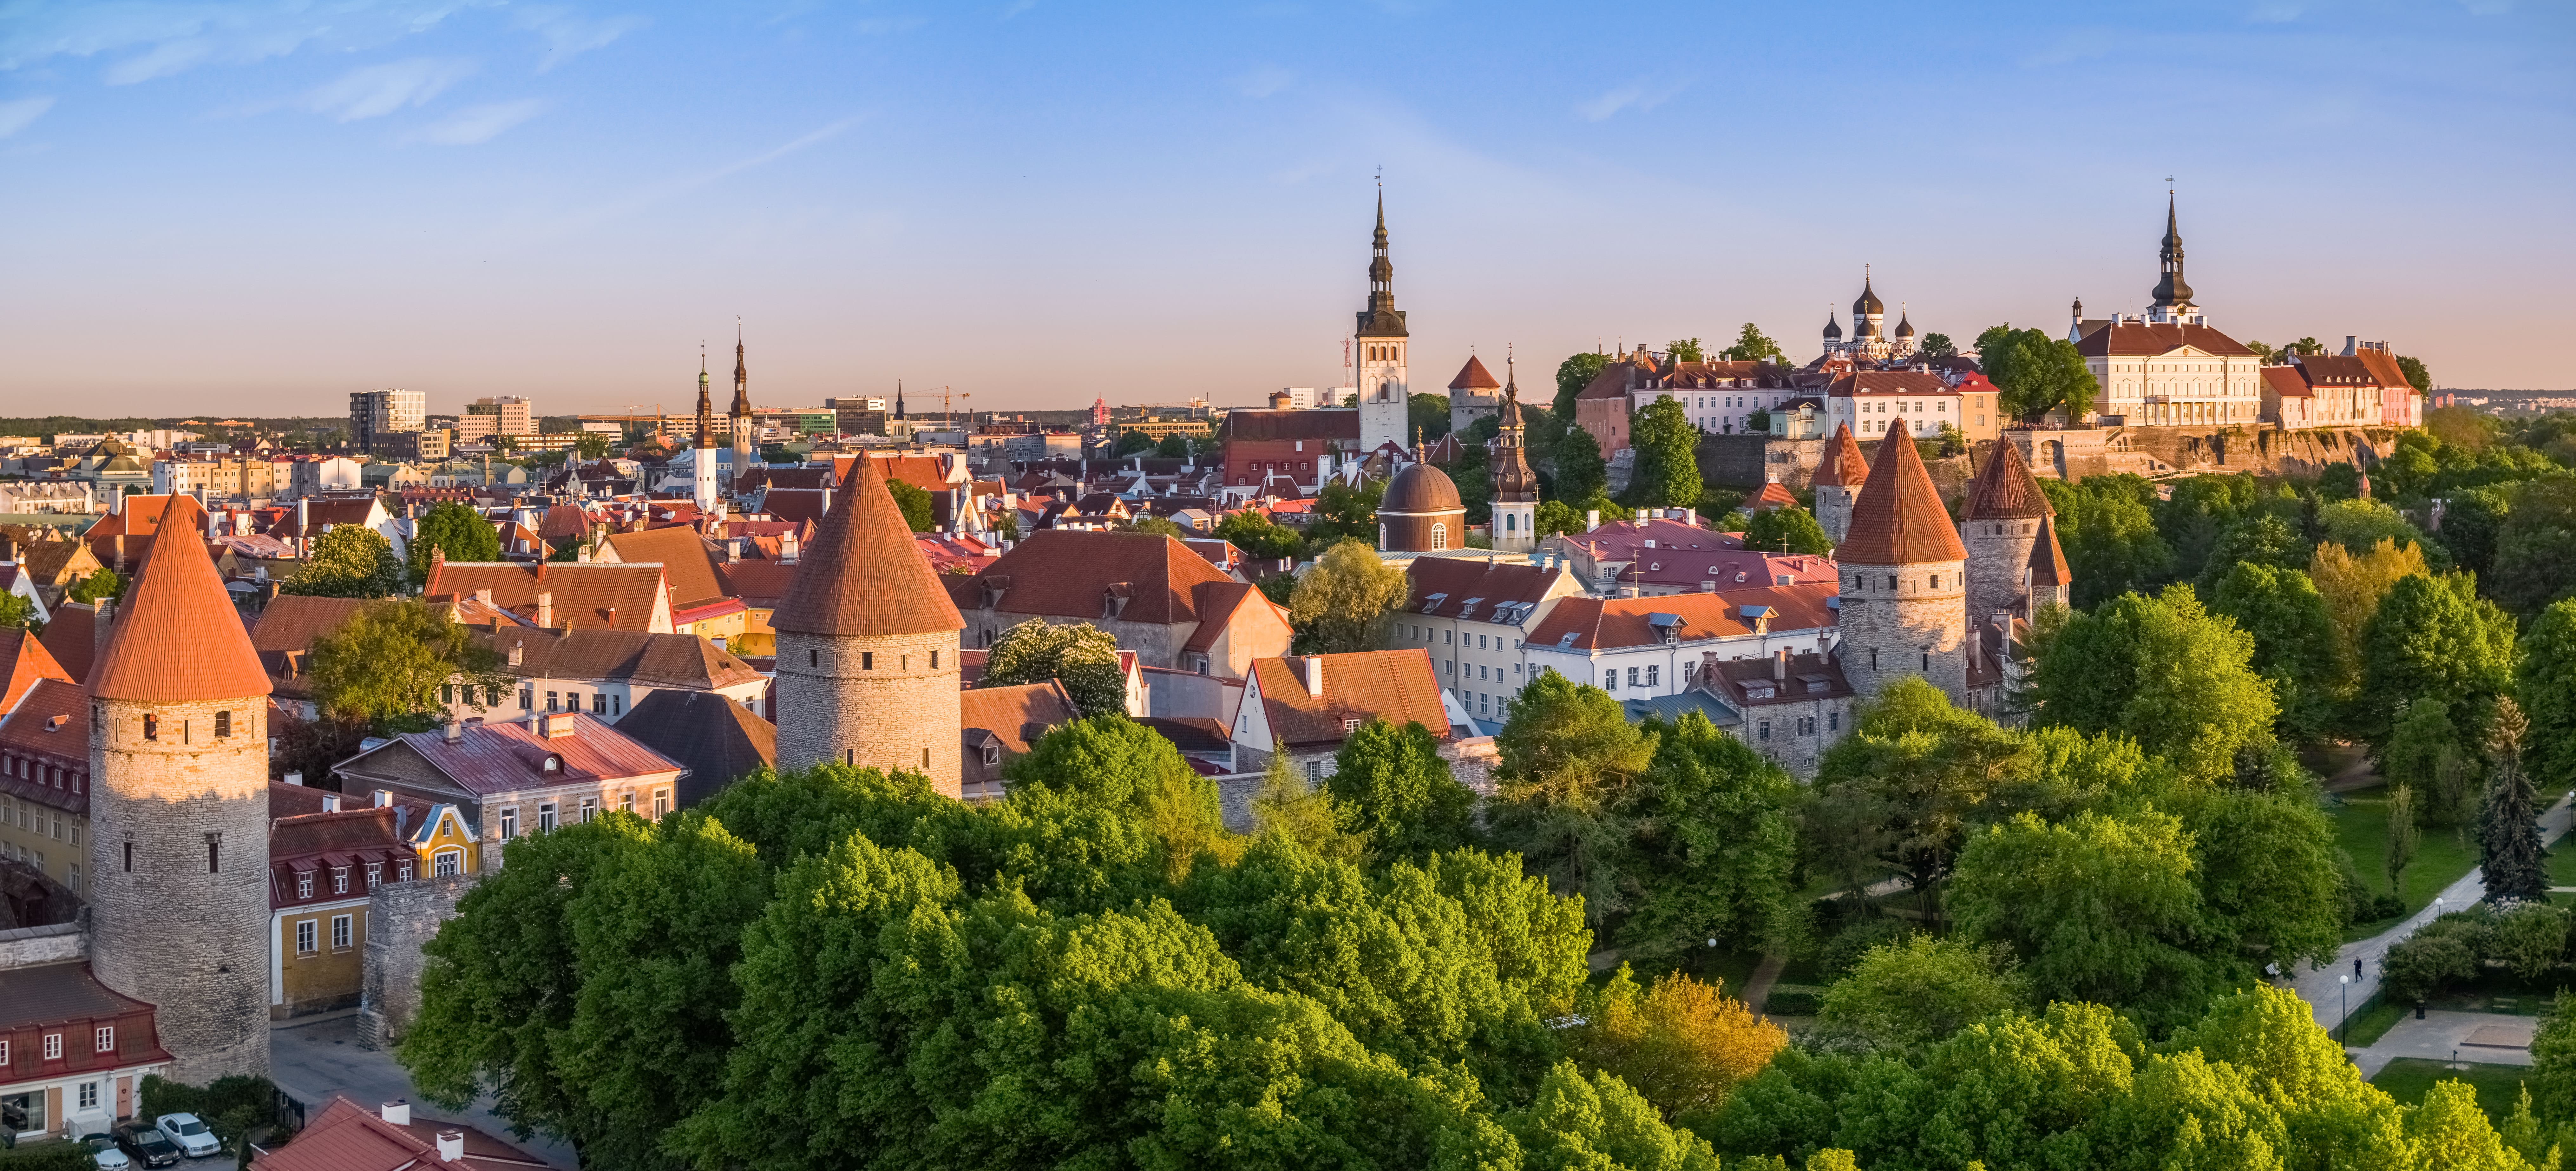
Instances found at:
x=2172 y=305
x=702 y=465
x=1385 y=402
x=741 y=412
x=1515 y=499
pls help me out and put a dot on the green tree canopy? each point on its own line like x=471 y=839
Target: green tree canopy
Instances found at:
x=1902 y=790
x=348 y=561
x=101 y=583
x=2037 y=372
x=1572 y=375
x=453 y=528
x=1752 y=345
x=1391 y=789
x=1342 y=603
x=2162 y=669
x=1921 y=989
x=1939 y=345
x=2535 y=557
x=2510 y=858
x=1132 y=442
x=2433 y=638
x=1568 y=756
x=1173 y=446
x=2099 y=908
x=2109 y=535
x=1427 y=416
x=1666 y=474
x=916 y=505
x=1685 y=350
x=1581 y=472
x=1259 y=536
x=2295 y=647
x=1786 y=530
x=2261 y=539
x=1712 y=845
x=390 y=662
x=2545 y=688
x=1081 y=656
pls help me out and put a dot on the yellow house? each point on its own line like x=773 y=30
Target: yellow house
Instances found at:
x=325 y=864
x=445 y=843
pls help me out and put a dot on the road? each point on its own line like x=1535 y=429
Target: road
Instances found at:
x=2323 y=989
x=313 y=1061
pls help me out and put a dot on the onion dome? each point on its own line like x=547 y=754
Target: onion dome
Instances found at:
x=1868 y=305
x=1419 y=488
x=1904 y=327
x=1833 y=329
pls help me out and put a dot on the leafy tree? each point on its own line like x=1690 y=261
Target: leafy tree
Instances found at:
x=2509 y=851
x=2266 y=863
x=18 y=612
x=1683 y=1044
x=1601 y=1122
x=1572 y=375
x=2037 y=372
x=1342 y=603
x=1081 y=656
x=2545 y=687
x=1939 y=345
x=2553 y=1061
x=2353 y=585
x=1901 y=791
x=1787 y=529
x=2262 y=539
x=2161 y=669
x=2402 y=836
x=348 y=561
x=2472 y=524
x=916 y=506
x=2339 y=482
x=1259 y=536
x=2535 y=558
x=1118 y=764
x=1132 y=442
x=1568 y=757
x=1921 y=989
x=1346 y=512
x=1685 y=350
x=1428 y=415
x=101 y=583
x=1173 y=446
x=456 y=529
x=1149 y=523
x=1556 y=516
x=1712 y=848
x=2295 y=648
x=2358 y=525
x=2427 y=751
x=2416 y=376
x=1391 y=791
x=390 y=662
x=2099 y=908
x=1752 y=345
x=1581 y=473
x=2307 y=346
x=592 y=444
x=1666 y=474
x=1286 y=805
x=2109 y=535
x=2433 y=637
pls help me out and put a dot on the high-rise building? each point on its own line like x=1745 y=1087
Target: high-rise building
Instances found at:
x=497 y=415
x=178 y=845
x=382 y=412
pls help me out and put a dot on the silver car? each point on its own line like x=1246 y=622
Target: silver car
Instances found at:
x=196 y=1140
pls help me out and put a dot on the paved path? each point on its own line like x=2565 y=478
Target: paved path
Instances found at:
x=2322 y=989
x=1757 y=987
x=2487 y=1038
x=313 y=1061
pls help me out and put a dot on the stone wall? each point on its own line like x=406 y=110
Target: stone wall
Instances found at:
x=1999 y=553
x=1886 y=634
x=1156 y=644
x=29 y=946
x=894 y=710
x=401 y=917
x=179 y=875
x=2173 y=451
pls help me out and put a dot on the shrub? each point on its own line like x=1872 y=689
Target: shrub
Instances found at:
x=1844 y=951
x=2446 y=950
x=47 y=1157
x=1793 y=1003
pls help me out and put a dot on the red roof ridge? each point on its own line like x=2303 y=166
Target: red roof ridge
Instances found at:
x=1474 y=376
x=1843 y=465
x=2004 y=488
x=863 y=574
x=177 y=636
x=1898 y=519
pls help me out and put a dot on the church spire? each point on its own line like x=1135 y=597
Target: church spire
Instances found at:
x=706 y=406
x=2171 y=291
x=1381 y=318
x=741 y=377
x=1513 y=479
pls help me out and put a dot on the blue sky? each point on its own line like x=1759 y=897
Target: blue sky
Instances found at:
x=261 y=206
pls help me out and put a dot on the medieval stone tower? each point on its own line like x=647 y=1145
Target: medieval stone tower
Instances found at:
x=179 y=811
x=867 y=645
x=1838 y=482
x=2001 y=526
x=1905 y=589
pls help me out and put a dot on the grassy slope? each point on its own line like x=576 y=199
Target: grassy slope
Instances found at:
x=2407 y=1079
x=2441 y=855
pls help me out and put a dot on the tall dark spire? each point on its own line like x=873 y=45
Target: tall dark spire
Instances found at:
x=2171 y=292
x=1514 y=482
x=1381 y=318
x=741 y=377
x=706 y=406
x=898 y=398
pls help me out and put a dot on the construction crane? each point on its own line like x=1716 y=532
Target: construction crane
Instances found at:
x=945 y=415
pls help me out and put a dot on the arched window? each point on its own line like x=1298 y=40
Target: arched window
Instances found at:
x=1439 y=537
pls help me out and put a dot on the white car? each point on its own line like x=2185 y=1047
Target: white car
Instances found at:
x=194 y=1138
x=104 y=1153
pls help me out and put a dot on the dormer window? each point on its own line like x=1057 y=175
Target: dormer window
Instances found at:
x=553 y=764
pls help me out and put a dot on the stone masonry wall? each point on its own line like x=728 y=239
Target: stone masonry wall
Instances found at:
x=164 y=928
x=1998 y=563
x=894 y=713
x=401 y=918
x=1886 y=633
x=25 y=947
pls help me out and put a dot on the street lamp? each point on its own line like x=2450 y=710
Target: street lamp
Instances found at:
x=2344 y=996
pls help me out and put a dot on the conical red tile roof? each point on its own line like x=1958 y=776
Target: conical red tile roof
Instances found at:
x=1898 y=519
x=862 y=574
x=26 y=662
x=2048 y=558
x=2004 y=489
x=1842 y=466
x=178 y=638
x=1474 y=376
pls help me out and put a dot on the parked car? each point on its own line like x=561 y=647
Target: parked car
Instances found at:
x=195 y=1138
x=147 y=1146
x=102 y=1150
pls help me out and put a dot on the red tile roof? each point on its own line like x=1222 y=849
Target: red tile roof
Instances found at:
x=50 y=724
x=1843 y=465
x=2383 y=367
x=761 y=583
x=1748 y=683
x=587 y=594
x=1474 y=376
x=1065 y=574
x=1774 y=494
x=1489 y=584
x=1898 y=519
x=862 y=574
x=284 y=636
x=1888 y=383
x=1015 y=715
x=2004 y=488
x=23 y=661
x=688 y=562
x=1216 y=603
x=350 y=1137
x=39 y=995
x=2287 y=382
x=178 y=637
x=1393 y=685
x=501 y=758
x=2048 y=559
x=1325 y=423
x=2139 y=339
x=1612 y=623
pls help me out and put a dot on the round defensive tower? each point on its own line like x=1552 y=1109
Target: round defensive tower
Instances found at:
x=1837 y=482
x=179 y=811
x=1905 y=589
x=867 y=645
x=2000 y=526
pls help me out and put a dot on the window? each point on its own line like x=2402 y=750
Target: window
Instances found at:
x=151 y=727
x=1833 y=721
x=340 y=932
x=598 y=703
x=1439 y=537
x=589 y=809
x=106 y=1039
x=553 y=701
x=1763 y=730
x=223 y=724
x=527 y=699
x=1610 y=679
x=445 y=863
x=1632 y=676
x=509 y=823
x=661 y=802
x=1891 y=581
x=1314 y=771
x=305 y=933
x=89 y=1094
x=617 y=706
x=446 y=693
x=546 y=818
x=304 y=884
x=402 y=871
x=626 y=801
x=214 y=853
x=1653 y=676
x=339 y=880
x=867 y=660
x=129 y=856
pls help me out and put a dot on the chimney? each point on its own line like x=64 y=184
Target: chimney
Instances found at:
x=397 y=1112
x=1780 y=664
x=558 y=725
x=787 y=545
x=1690 y=516
x=455 y=731
x=330 y=802
x=1591 y=519
x=1976 y=645
x=2348 y=339
x=1314 y=670
x=295 y=778
x=451 y=1145
x=484 y=595
x=384 y=799
x=545 y=609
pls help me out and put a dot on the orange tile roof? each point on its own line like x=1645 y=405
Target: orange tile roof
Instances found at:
x=177 y=636
x=1774 y=494
x=2004 y=488
x=2287 y=382
x=22 y=663
x=587 y=594
x=2138 y=338
x=687 y=561
x=1474 y=376
x=1843 y=465
x=2048 y=559
x=1394 y=685
x=71 y=637
x=862 y=574
x=1612 y=623
x=1898 y=519
x=1063 y=573
x=1015 y=715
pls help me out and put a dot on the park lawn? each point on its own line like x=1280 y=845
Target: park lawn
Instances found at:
x=2442 y=856
x=2562 y=864
x=2372 y=1022
x=2408 y=1079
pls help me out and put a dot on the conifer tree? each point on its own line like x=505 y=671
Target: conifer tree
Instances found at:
x=2508 y=827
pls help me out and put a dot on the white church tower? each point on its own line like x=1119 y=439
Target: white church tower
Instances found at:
x=702 y=467
x=1385 y=403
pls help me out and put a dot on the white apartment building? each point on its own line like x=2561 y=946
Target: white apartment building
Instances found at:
x=1636 y=648
x=1473 y=616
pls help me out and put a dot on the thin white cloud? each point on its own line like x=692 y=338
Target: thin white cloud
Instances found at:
x=877 y=26
x=147 y=39
x=1634 y=96
x=1016 y=7
x=656 y=192
x=569 y=34
x=479 y=124
x=374 y=91
x=15 y=116
x=1264 y=81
